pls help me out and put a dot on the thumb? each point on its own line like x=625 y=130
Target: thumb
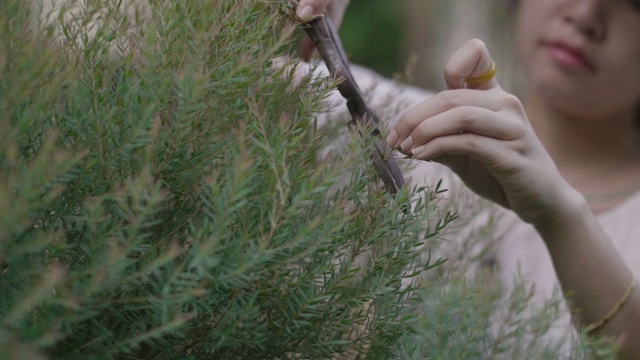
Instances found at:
x=471 y=67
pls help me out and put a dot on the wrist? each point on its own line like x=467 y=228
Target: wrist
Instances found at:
x=570 y=210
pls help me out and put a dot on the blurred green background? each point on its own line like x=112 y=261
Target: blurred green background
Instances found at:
x=373 y=36
x=413 y=39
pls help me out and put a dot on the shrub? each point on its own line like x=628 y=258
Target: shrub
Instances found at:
x=162 y=198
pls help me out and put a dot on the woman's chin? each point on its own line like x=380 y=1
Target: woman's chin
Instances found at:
x=570 y=102
x=571 y=97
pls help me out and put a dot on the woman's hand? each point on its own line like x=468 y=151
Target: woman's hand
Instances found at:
x=484 y=136
x=308 y=9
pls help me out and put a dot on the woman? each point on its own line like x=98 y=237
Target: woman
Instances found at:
x=565 y=159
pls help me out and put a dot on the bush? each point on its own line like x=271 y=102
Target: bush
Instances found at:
x=161 y=195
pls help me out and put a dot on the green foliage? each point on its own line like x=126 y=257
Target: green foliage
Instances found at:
x=464 y=318
x=161 y=195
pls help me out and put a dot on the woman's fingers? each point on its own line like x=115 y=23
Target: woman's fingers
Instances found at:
x=484 y=149
x=471 y=61
x=448 y=100
x=470 y=67
x=308 y=9
x=464 y=119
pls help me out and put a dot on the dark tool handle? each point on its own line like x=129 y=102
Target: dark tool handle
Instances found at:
x=364 y=119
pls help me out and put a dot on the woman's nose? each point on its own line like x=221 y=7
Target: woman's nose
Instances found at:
x=588 y=16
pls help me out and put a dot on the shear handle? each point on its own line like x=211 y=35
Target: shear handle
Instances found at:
x=323 y=34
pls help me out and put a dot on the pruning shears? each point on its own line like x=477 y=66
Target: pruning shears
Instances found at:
x=364 y=120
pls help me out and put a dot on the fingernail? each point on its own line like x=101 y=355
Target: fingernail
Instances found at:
x=392 y=139
x=418 y=150
x=406 y=145
x=305 y=12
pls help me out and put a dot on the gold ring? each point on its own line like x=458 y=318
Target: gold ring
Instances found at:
x=482 y=79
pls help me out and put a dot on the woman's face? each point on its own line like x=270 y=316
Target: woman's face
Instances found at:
x=582 y=56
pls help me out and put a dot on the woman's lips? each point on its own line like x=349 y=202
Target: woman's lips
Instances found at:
x=569 y=56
